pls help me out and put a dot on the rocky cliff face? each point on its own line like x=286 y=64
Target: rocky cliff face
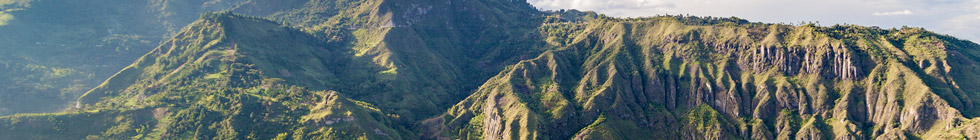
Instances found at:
x=759 y=81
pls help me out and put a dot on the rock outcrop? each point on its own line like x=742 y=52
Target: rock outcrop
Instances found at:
x=658 y=75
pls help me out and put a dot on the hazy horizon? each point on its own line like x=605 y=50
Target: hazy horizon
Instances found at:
x=959 y=18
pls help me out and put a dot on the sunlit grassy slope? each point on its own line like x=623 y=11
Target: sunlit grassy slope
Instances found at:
x=708 y=78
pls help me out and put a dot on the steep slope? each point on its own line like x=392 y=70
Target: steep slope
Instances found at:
x=427 y=49
x=286 y=53
x=439 y=51
x=431 y=53
x=728 y=79
x=59 y=49
x=223 y=77
x=55 y=50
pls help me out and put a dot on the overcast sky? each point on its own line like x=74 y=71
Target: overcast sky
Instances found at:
x=960 y=18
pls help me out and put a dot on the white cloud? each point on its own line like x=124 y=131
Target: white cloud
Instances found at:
x=894 y=13
x=963 y=27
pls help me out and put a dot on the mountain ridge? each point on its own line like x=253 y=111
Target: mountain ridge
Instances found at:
x=403 y=70
x=541 y=94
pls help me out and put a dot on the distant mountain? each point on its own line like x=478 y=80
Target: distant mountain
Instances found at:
x=497 y=69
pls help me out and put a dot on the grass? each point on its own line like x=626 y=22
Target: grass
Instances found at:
x=239 y=77
x=4 y=17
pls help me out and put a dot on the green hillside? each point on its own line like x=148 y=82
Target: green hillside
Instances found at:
x=475 y=69
x=728 y=79
x=55 y=50
x=212 y=81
